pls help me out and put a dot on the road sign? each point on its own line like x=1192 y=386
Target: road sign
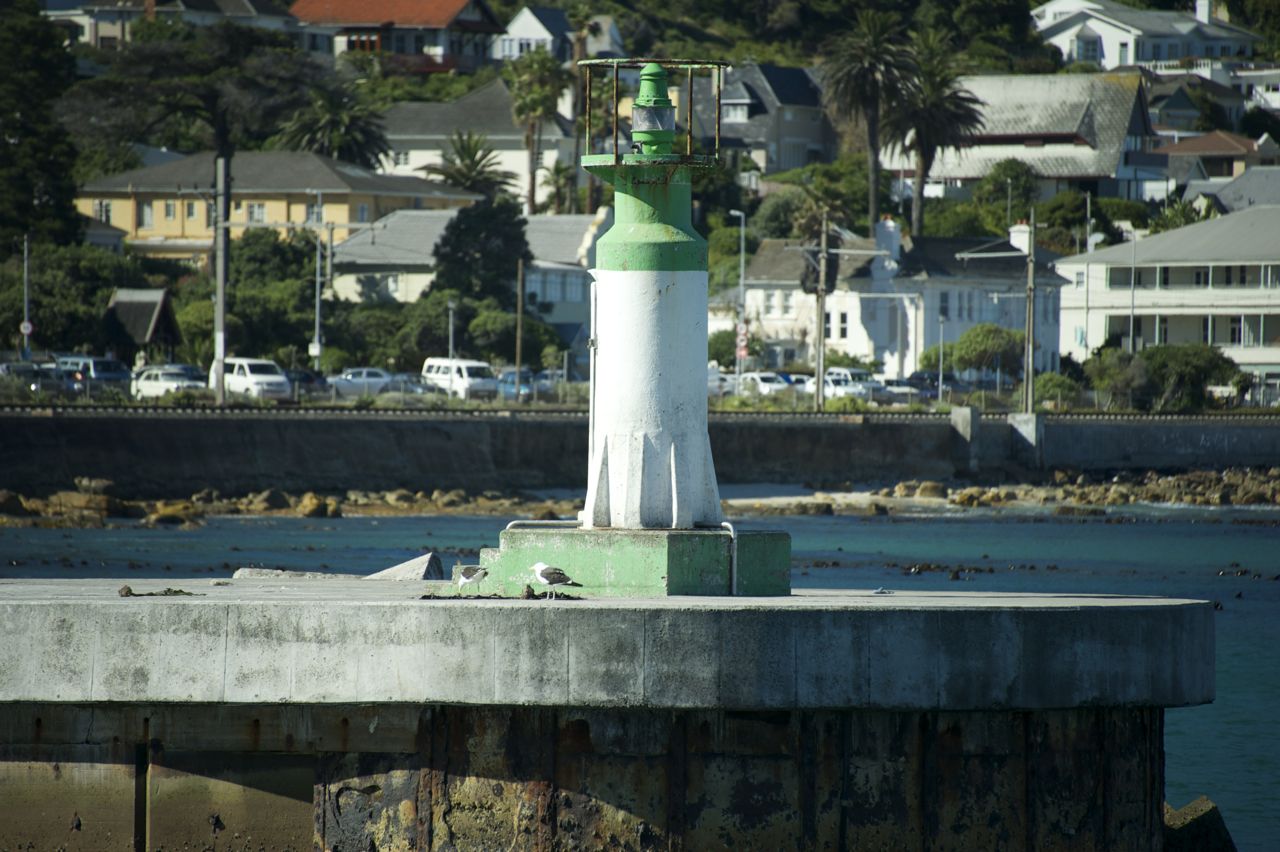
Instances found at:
x=25 y=328
x=742 y=329
x=742 y=339
x=742 y=351
x=313 y=349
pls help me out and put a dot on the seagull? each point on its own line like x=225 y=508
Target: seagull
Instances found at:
x=470 y=574
x=552 y=577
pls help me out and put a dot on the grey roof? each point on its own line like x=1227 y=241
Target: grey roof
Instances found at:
x=767 y=88
x=779 y=261
x=1258 y=185
x=1099 y=110
x=407 y=238
x=1154 y=23
x=485 y=110
x=273 y=172
x=145 y=314
x=229 y=8
x=1247 y=236
x=555 y=20
x=935 y=257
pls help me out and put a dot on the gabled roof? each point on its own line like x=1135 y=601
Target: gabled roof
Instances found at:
x=766 y=88
x=1247 y=236
x=1151 y=23
x=145 y=314
x=1063 y=125
x=484 y=110
x=1258 y=185
x=555 y=21
x=271 y=172
x=1217 y=143
x=935 y=257
x=229 y=8
x=427 y=14
x=406 y=239
x=781 y=261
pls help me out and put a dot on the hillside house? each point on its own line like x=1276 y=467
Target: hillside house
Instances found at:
x=108 y=24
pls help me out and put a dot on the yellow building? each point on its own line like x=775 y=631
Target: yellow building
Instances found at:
x=167 y=211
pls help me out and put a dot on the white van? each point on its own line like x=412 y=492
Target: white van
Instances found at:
x=255 y=377
x=460 y=377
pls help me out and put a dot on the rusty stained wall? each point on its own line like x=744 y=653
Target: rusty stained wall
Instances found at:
x=411 y=778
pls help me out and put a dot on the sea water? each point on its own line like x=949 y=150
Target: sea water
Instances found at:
x=1228 y=750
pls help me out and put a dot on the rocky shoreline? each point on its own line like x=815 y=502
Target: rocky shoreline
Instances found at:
x=1065 y=492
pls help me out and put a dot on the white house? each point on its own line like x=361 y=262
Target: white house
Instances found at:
x=1114 y=34
x=419 y=134
x=1085 y=132
x=1215 y=282
x=532 y=28
x=108 y=24
x=900 y=298
x=394 y=262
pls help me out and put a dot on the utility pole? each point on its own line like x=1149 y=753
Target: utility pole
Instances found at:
x=221 y=245
x=316 y=342
x=1029 y=366
x=741 y=330
x=519 y=325
x=25 y=328
x=821 y=336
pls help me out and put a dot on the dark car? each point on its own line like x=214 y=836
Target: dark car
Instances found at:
x=307 y=383
x=92 y=374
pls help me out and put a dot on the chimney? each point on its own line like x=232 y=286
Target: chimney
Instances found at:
x=889 y=237
x=1204 y=10
x=1020 y=236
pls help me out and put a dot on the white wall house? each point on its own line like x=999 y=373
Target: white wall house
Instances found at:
x=899 y=299
x=1085 y=132
x=108 y=24
x=419 y=134
x=532 y=28
x=1113 y=34
x=1215 y=282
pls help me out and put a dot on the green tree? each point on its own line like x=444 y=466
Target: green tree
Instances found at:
x=988 y=346
x=536 y=81
x=1179 y=213
x=722 y=347
x=865 y=69
x=1011 y=185
x=36 y=185
x=932 y=113
x=274 y=294
x=1180 y=374
x=479 y=251
x=776 y=213
x=560 y=181
x=493 y=333
x=1061 y=223
x=1120 y=377
x=1258 y=121
x=929 y=358
x=470 y=164
x=1056 y=388
x=337 y=123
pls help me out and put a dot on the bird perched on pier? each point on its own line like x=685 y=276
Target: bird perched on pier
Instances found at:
x=468 y=574
x=552 y=577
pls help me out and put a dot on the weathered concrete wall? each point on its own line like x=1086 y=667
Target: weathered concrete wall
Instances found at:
x=455 y=777
x=1159 y=443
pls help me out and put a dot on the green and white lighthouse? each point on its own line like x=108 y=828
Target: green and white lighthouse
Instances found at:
x=652 y=523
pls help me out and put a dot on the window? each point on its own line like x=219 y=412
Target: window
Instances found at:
x=146 y=216
x=1079 y=279
x=170 y=210
x=102 y=211
x=400 y=158
x=573 y=290
x=1124 y=53
x=826 y=324
x=1087 y=50
x=526 y=45
x=401 y=43
x=1228 y=281
x=1201 y=278
x=1237 y=331
x=257 y=214
x=210 y=213
x=1156 y=53
x=735 y=113
x=1164 y=277
x=844 y=325
x=769 y=304
x=362 y=212
x=788 y=308
x=315 y=214
x=1162 y=330
x=944 y=304
x=1244 y=278
x=191 y=210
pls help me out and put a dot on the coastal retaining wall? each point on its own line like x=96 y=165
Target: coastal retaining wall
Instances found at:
x=167 y=454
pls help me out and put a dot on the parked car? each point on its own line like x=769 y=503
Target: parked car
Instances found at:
x=306 y=383
x=718 y=383
x=359 y=381
x=460 y=377
x=155 y=382
x=90 y=373
x=43 y=379
x=255 y=377
x=762 y=382
x=531 y=387
x=902 y=391
x=409 y=383
x=832 y=388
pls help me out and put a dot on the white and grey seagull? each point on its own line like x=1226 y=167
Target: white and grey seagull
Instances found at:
x=468 y=574
x=552 y=577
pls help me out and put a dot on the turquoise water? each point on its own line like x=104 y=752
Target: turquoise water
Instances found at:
x=1228 y=750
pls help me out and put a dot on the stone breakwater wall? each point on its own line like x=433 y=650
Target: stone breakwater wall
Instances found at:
x=156 y=455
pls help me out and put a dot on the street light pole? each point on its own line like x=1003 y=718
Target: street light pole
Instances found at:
x=26 y=297
x=316 y=342
x=742 y=293
x=221 y=245
x=819 y=384
x=1029 y=368
x=453 y=305
x=942 y=350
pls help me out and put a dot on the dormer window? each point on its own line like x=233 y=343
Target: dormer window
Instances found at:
x=735 y=113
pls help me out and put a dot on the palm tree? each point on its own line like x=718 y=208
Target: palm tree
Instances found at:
x=932 y=113
x=865 y=69
x=337 y=123
x=472 y=165
x=536 y=81
x=561 y=181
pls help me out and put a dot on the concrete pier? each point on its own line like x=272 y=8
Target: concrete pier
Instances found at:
x=346 y=713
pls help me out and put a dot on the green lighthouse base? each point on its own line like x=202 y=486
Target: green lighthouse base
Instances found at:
x=641 y=563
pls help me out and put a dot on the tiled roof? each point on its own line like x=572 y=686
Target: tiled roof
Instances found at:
x=1054 y=113
x=431 y=14
x=485 y=110
x=1218 y=142
x=1247 y=236
x=271 y=172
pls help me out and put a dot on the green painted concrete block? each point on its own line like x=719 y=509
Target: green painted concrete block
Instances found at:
x=640 y=563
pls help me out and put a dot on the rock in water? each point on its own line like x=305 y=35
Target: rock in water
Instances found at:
x=1197 y=827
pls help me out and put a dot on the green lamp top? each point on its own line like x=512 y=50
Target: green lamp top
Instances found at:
x=653 y=87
